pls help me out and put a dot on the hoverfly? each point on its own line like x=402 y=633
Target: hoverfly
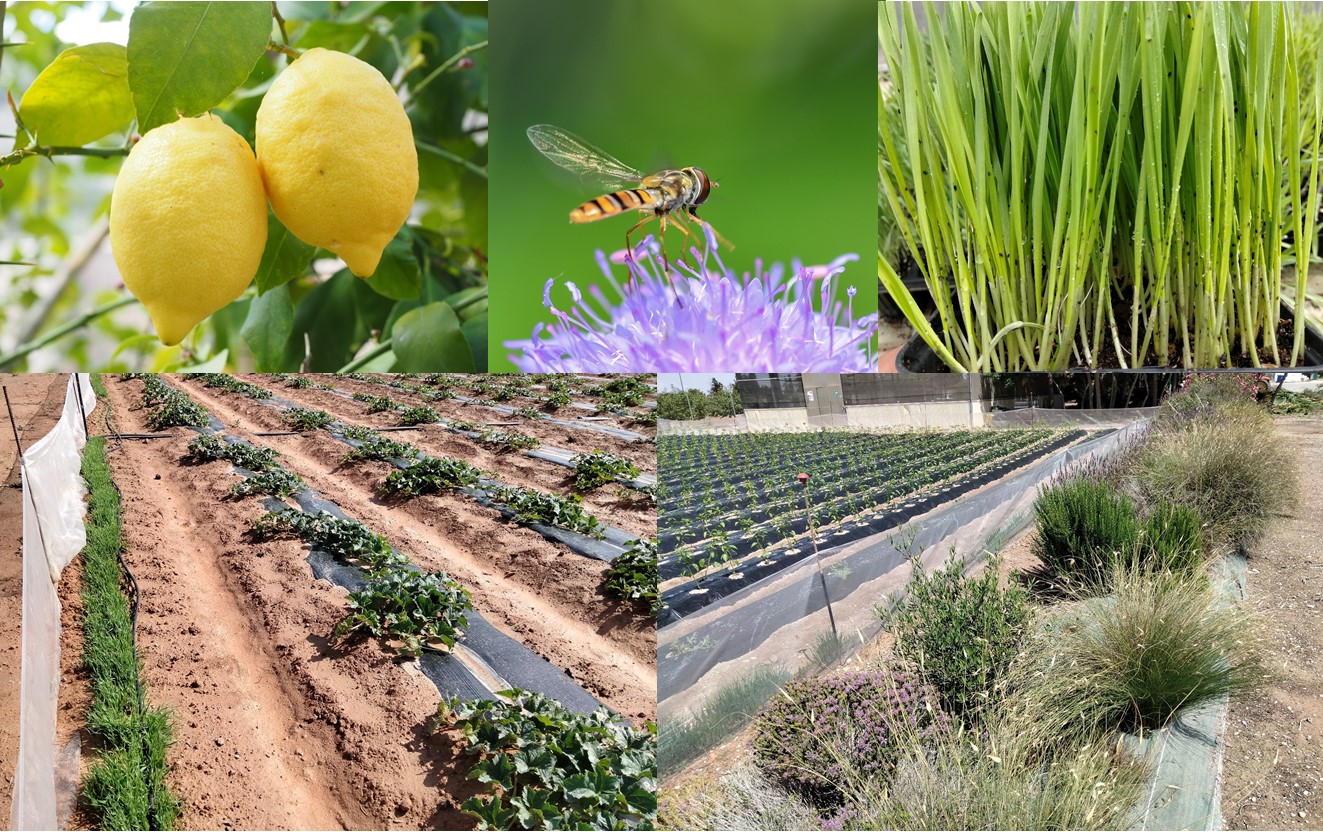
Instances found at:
x=666 y=194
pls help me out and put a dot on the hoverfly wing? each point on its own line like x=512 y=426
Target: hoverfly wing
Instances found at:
x=581 y=158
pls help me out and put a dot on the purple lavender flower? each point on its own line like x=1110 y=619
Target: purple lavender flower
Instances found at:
x=707 y=319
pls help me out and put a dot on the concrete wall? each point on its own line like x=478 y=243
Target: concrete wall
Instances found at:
x=917 y=415
x=793 y=418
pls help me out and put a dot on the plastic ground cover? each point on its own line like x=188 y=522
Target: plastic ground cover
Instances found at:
x=610 y=547
x=775 y=623
x=693 y=595
x=485 y=661
x=53 y=533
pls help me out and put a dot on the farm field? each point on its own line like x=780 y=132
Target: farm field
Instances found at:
x=733 y=513
x=479 y=557
x=1126 y=638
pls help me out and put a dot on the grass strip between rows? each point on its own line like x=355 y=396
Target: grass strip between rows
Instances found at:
x=125 y=787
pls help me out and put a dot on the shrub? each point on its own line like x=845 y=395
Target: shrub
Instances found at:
x=819 y=729
x=960 y=633
x=1172 y=537
x=1002 y=776
x=1083 y=526
x=1161 y=643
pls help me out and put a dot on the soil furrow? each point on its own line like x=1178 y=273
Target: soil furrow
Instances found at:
x=275 y=726
x=539 y=593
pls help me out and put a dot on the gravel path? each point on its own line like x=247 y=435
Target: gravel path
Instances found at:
x=1273 y=771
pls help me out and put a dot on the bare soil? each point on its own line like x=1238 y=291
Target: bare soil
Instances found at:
x=539 y=593
x=1273 y=769
x=36 y=400
x=515 y=467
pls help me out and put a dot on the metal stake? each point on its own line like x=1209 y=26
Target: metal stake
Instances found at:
x=808 y=513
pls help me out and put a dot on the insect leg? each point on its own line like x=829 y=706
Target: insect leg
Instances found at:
x=688 y=235
x=629 y=249
x=666 y=264
x=693 y=212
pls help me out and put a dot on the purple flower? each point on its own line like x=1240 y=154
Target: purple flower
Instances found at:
x=708 y=319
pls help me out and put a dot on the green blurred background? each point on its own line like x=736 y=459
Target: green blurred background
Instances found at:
x=775 y=100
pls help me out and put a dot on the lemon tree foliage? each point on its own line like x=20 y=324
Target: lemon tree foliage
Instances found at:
x=297 y=186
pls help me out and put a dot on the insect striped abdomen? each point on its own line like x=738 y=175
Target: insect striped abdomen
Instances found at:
x=608 y=205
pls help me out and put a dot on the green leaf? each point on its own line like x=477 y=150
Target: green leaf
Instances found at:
x=186 y=57
x=327 y=316
x=398 y=275
x=284 y=258
x=81 y=97
x=266 y=331
x=475 y=331
x=429 y=339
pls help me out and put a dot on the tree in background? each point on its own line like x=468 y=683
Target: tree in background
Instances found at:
x=689 y=404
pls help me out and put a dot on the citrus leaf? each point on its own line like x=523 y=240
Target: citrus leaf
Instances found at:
x=186 y=57
x=284 y=258
x=266 y=331
x=81 y=97
x=475 y=331
x=429 y=339
x=398 y=275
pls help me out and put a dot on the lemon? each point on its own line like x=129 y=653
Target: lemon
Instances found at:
x=336 y=153
x=188 y=222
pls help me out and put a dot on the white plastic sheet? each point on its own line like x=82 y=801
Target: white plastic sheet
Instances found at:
x=53 y=533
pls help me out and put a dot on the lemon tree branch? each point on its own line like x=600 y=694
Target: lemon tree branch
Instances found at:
x=64 y=329
x=446 y=154
x=39 y=150
x=450 y=62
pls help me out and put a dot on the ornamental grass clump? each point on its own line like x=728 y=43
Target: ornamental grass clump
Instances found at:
x=702 y=318
x=1160 y=644
x=817 y=732
x=1229 y=468
x=1101 y=184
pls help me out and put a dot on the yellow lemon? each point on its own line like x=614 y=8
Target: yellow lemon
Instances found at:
x=336 y=153
x=188 y=222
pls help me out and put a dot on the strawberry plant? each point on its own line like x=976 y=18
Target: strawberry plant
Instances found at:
x=633 y=575
x=555 y=401
x=230 y=384
x=434 y=473
x=419 y=609
x=550 y=768
x=600 y=468
x=376 y=446
x=420 y=415
x=549 y=509
x=303 y=419
x=209 y=446
x=348 y=540
x=169 y=407
x=275 y=481
x=506 y=440
x=376 y=404
x=529 y=413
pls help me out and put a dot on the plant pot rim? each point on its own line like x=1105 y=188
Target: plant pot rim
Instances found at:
x=916 y=357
